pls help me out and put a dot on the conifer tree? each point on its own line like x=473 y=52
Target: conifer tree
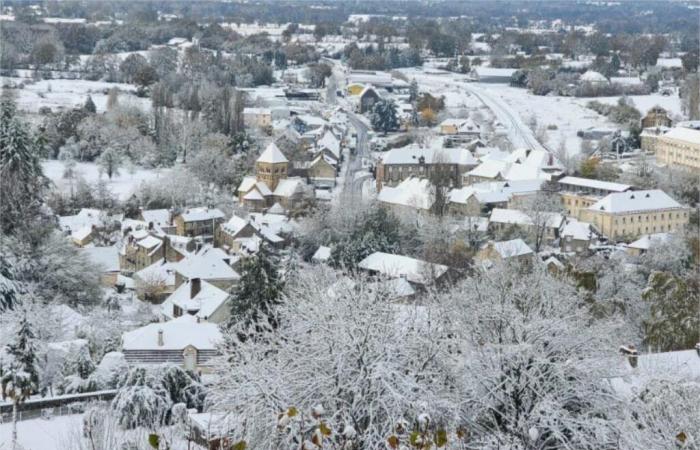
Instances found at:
x=384 y=116
x=21 y=378
x=258 y=290
x=90 y=105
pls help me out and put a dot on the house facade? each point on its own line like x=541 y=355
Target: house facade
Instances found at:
x=632 y=214
x=680 y=149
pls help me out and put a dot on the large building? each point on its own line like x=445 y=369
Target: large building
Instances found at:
x=626 y=215
x=271 y=183
x=679 y=148
x=399 y=164
x=578 y=194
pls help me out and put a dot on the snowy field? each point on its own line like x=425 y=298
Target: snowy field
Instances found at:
x=40 y=434
x=122 y=186
x=643 y=103
x=59 y=94
x=568 y=114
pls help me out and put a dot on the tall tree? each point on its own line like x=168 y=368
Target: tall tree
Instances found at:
x=110 y=161
x=21 y=178
x=384 y=116
x=258 y=291
x=21 y=379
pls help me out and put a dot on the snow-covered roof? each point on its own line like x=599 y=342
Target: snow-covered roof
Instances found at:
x=322 y=254
x=399 y=266
x=413 y=192
x=107 y=258
x=253 y=195
x=491 y=168
x=81 y=233
x=87 y=217
x=517 y=217
x=277 y=209
x=205 y=302
x=435 y=153
x=234 y=225
x=272 y=155
x=594 y=184
x=580 y=231
x=289 y=186
x=592 y=76
x=202 y=213
x=247 y=183
x=257 y=111
x=512 y=248
x=394 y=289
x=648 y=240
x=149 y=242
x=330 y=143
x=178 y=333
x=683 y=365
x=207 y=266
x=684 y=134
x=159 y=271
x=160 y=217
x=493 y=72
x=625 y=202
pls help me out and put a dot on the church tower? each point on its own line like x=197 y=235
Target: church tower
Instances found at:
x=271 y=166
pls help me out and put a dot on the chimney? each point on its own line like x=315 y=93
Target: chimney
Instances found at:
x=632 y=354
x=150 y=226
x=195 y=287
x=166 y=243
x=160 y=338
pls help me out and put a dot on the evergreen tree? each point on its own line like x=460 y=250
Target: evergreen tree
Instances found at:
x=21 y=379
x=258 y=290
x=21 y=179
x=384 y=116
x=413 y=91
x=90 y=105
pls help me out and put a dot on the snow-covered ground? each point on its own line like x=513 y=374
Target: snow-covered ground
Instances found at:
x=122 y=186
x=41 y=434
x=59 y=94
x=644 y=103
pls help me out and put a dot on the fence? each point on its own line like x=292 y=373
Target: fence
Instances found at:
x=54 y=406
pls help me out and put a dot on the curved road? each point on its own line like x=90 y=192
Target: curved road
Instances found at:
x=519 y=133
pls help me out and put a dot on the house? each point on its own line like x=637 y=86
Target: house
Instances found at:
x=198 y=222
x=411 y=195
x=459 y=130
x=482 y=197
x=634 y=369
x=413 y=161
x=650 y=137
x=491 y=75
x=680 y=149
x=257 y=118
x=228 y=234
x=106 y=259
x=271 y=183
x=161 y=219
x=329 y=145
x=418 y=273
x=581 y=193
x=210 y=265
x=633 y=214
x=367 y=98
x=200 y=299
x=322 y=170
x=155 y=282
x=187 y=341
x=644 y=243
x=512 y=250
x=656 y=117
x=144 y=247
x=83 y=236
x=575 y=236
x=501 y=220
x=394 y=290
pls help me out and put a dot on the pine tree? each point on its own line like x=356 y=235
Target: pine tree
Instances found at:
x=258 y=290
x=90 y=105
x=21 y=179
x=413 y=91
x=384 y=116
x=21 y=379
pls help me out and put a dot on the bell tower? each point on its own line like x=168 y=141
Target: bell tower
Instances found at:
x=271 y=167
